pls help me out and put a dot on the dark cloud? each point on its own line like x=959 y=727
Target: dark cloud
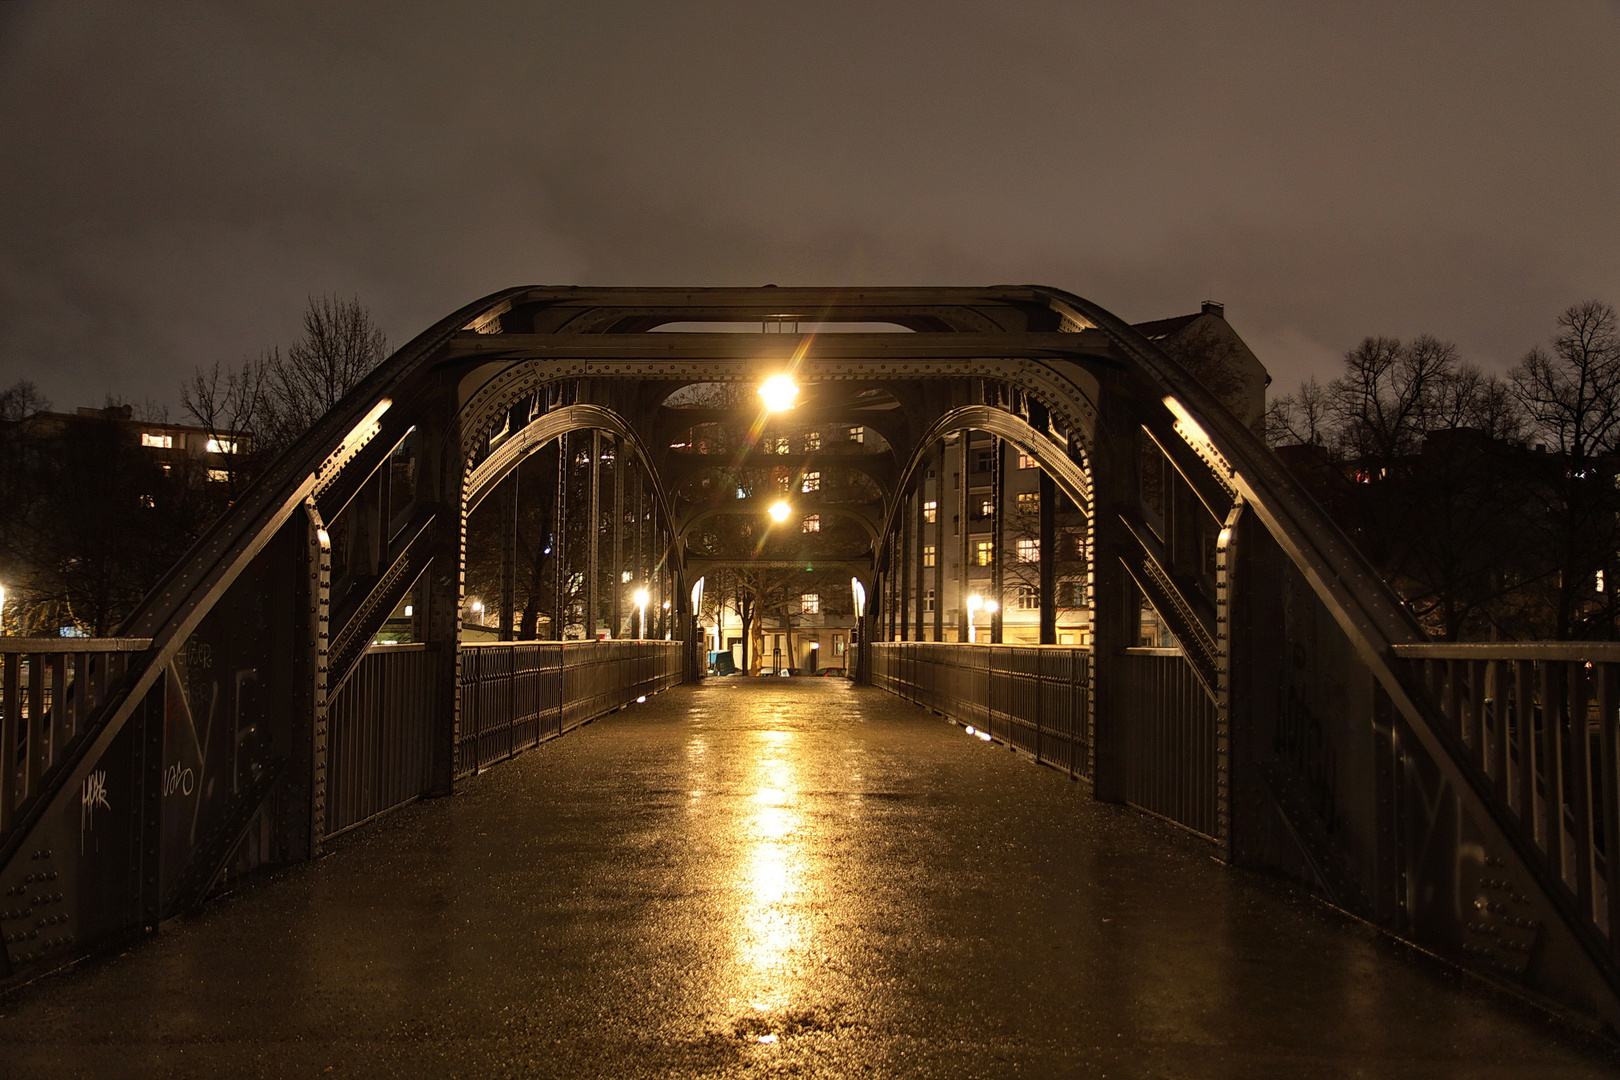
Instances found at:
x=177 y=178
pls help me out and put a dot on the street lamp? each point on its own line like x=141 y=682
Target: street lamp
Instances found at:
x=780 y=511
x=778 y=392
x=478 y=610
x=974 y=603
x=640 y=598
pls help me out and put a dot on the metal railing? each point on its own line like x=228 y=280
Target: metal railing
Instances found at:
x=1538 y=725
x=1035 y=698
x=381 y=723
x=1170 y=739
x=516 y=694
x=49 y=689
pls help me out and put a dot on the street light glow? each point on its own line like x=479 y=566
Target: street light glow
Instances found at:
x=778 y=392
x=640 y=597
x=780 y=511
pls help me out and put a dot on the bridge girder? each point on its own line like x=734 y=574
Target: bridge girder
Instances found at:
x=1096 y=403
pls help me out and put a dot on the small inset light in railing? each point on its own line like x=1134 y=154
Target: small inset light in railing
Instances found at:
x=985 y=735
x=970 y=729
x=642 y=700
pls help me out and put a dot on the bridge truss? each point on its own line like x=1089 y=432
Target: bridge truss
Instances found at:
x=1291 y=711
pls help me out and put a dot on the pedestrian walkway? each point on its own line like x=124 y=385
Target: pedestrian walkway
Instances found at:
x=759 y=877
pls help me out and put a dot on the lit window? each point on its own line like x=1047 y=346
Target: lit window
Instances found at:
x=1029 y=551
x=812 y=481
x=928 y=601
x=776 y=446
x=812 y=523
x=984 y=552
x=162 y=442
x=219 y=476
x=222 y=446
x=928 y=555
x=1025 y=461
x=1029 y=502
x=1028 y=598
x=149 y=502
x=857 y=434
x=810 y=603
x=930 y=511
x=1600 y=581
x=987 y=508
x=812 y=440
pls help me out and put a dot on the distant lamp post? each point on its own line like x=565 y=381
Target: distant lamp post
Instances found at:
x=974 y=603
x=478 y=611
x=640 y=598
x=778 y=392
x=2 y=609
x=780 y=511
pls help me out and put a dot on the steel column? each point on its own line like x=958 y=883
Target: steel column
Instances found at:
x=939 y=542
x=593 y=530
x=1047 y=545
x=998 y=534
x=904 y=607
x=618 y=538
x=964 y=439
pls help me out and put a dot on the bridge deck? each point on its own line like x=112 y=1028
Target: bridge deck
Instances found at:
x=657 y=893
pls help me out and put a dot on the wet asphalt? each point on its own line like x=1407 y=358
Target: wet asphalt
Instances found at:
x=791 y=877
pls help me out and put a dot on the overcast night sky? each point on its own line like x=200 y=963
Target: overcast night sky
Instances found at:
x=176 y=179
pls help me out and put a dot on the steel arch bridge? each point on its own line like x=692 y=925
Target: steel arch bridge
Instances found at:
x=1290 y=711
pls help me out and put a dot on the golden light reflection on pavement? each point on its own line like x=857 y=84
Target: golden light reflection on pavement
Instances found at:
x=771 y=931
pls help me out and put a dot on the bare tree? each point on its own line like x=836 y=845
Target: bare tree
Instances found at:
x=1301 y=418
x=339 y=347
x=1572 y=398
x=274 y=398
x=229 y=406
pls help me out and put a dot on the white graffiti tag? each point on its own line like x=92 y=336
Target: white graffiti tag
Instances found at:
x=92 y=798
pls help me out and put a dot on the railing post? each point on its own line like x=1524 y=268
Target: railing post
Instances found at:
x=8 y=739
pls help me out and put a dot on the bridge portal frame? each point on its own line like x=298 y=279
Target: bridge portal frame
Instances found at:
x=1052 y=373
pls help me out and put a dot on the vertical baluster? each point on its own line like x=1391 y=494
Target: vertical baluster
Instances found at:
x=8 y=739
x=1580 y=781
x=1451 y=696
x=1499 y=730
x=1523 y=674
x=1550 y=758
x=1608 y=693
x=60 y=731
x=1476 y=712
x=36 y=725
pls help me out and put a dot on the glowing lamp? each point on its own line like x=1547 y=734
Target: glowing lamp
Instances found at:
x=778 y=392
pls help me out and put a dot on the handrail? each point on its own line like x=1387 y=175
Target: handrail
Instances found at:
x=1595 y=651
x=574 y=644
x=11 y=645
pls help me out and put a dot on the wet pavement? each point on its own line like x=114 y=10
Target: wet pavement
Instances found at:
x=773 y=877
